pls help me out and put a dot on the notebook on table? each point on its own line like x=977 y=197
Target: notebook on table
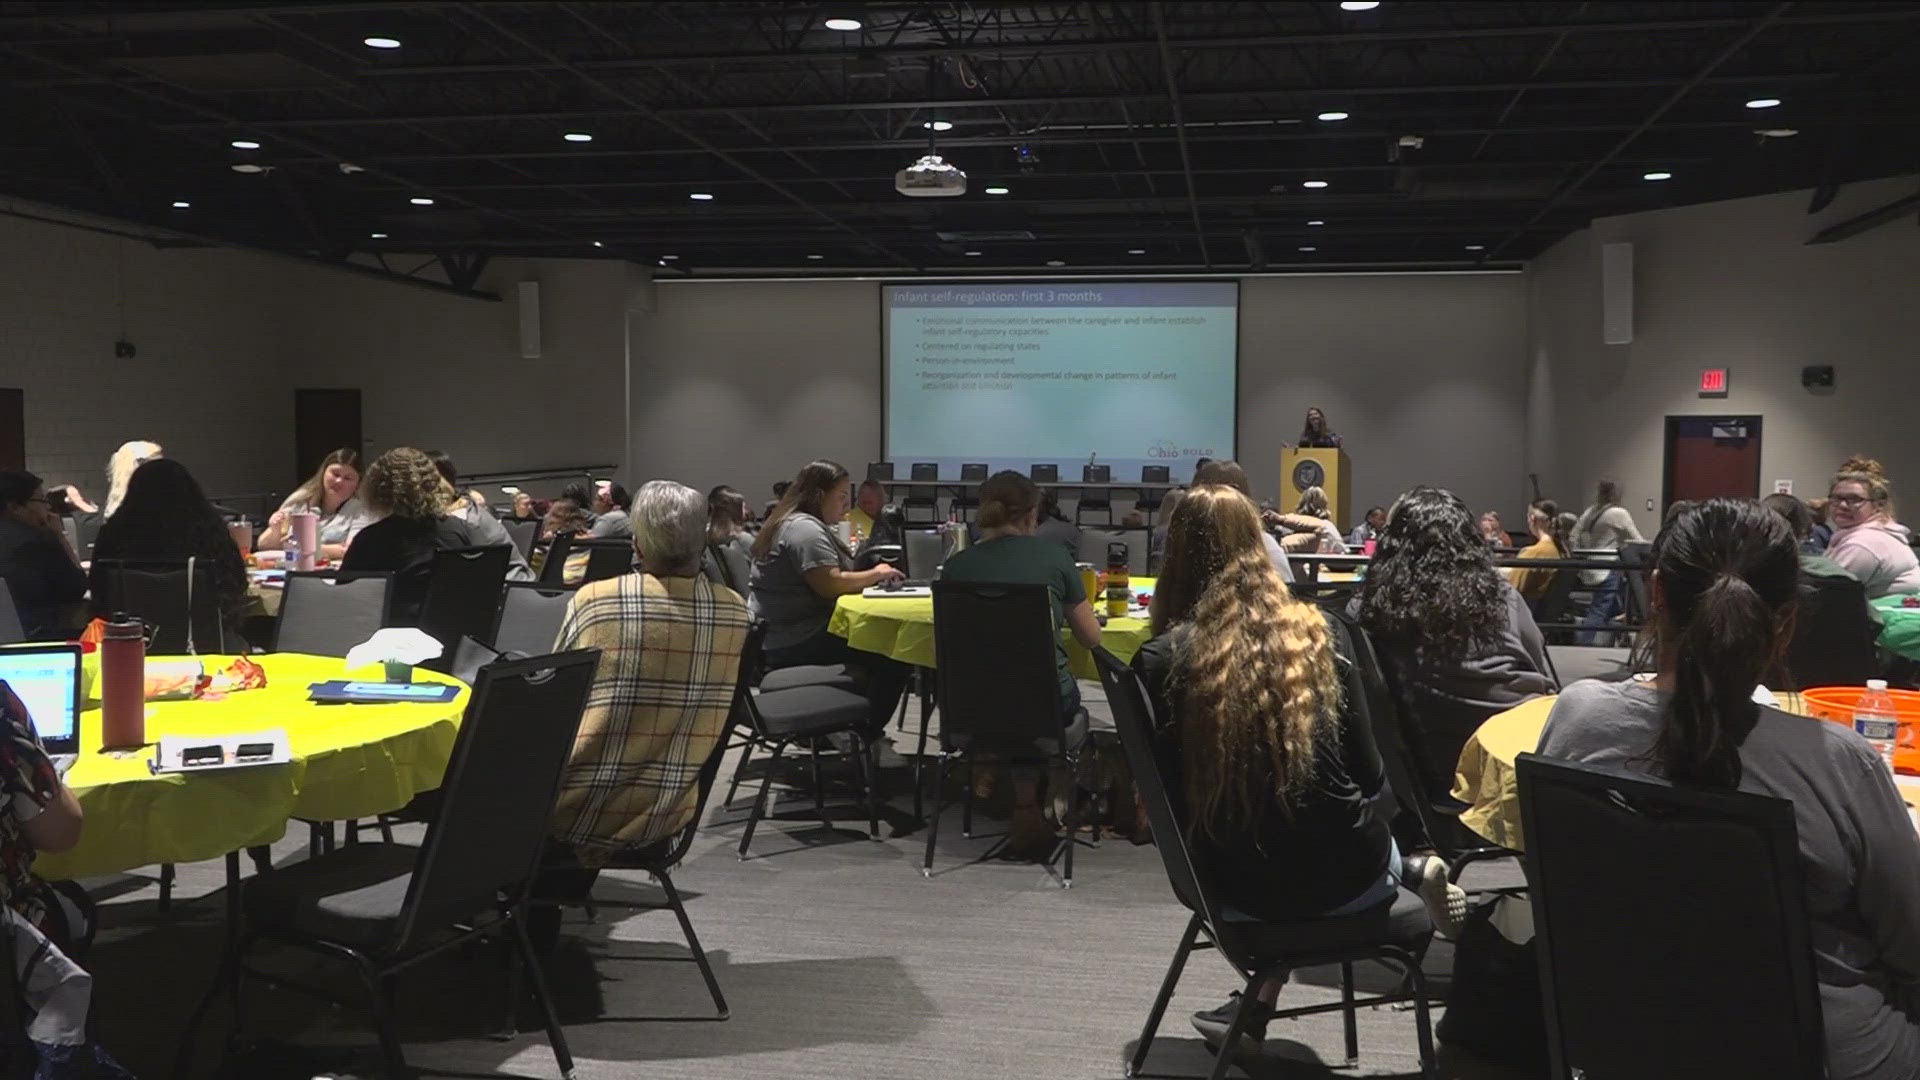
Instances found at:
x=46 y=679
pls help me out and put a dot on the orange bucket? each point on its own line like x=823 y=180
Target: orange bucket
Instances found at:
x=1836 y=703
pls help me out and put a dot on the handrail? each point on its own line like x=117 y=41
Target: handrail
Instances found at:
x=557 y=472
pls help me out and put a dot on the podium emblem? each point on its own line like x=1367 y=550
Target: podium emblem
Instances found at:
x=1308 y=473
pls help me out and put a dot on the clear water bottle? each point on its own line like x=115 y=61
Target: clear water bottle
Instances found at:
x=1875 y=718
x=291 y=549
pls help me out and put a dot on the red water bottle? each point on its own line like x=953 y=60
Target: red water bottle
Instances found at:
x=123 y=673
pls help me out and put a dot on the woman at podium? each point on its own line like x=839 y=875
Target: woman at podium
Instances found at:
x=1316 y=433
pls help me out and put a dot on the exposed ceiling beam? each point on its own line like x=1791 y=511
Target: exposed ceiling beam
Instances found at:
x=1868 y=221
x=1169 y=73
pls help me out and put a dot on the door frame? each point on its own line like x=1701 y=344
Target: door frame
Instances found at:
x=1672 y=432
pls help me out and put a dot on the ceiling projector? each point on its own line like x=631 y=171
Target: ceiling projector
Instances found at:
x=930 y=177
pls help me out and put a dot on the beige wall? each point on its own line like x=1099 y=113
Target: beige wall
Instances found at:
x=741 y=382
x=1732 y=285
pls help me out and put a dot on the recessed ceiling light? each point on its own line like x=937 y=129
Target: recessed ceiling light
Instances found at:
x=1763 y=103
x=701 y=196
x=1657 y=176
x=1136 y=251
x=668 y=258
x=1055 y=262
x=996 y=191
x=181 y=204
x=381 y=42
x=597 y=243
x=1308 y=248
x=377 y=236
x=1777 y=133
x=1476 y=247
x=577 y=136
x=844 y=23
x=244 y=144
x=938 y=125
x=1333 y=115
x=972 y=253
x=1314 y=184
x=816 y=256
x=247 y=167
x=421 y=200
x=1359 y=5
x=1316 y=222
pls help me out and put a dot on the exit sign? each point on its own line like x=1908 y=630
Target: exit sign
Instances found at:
x=1713 y=382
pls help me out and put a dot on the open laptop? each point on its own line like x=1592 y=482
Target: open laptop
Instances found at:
x=46 y=679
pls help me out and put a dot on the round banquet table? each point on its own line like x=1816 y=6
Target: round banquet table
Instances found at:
x=349 y=761
x=264 y=600
x=902 y=628
x=1487 y=782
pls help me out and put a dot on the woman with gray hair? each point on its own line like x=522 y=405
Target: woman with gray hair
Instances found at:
x=670 y=643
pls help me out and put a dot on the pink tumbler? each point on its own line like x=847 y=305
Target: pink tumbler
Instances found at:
x=123 y=670
x=306 y=532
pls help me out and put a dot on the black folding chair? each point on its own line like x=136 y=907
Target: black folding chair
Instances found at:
x=530 y=618
x=1556 y=606
x=387 y=908
x=966 y=499
x=523 y=534
x=661 y=856
x=1396 y=932
x=554 y=570
x=805 y=714
x=1149 y=499
x=999 y=694
x=1094 y=500
x=11 y=631
x=464 y=593
x=182 y=609
x=606 y=559
x=1835 y=639
x=923 y=497
x=327 y=612
x=1671 y=926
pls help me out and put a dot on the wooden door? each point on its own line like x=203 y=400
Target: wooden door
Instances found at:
x=1712 y=456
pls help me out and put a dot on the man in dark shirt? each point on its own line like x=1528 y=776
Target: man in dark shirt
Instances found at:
x=40 y=570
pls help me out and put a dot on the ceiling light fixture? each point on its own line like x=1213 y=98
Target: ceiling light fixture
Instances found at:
x=1055 y=262
x=972 y=253
x=996 y=191
x=844 y=23
x=816 y=256
x=1308 y=248
x=1136 y=251
x=577 y=136
x=381 y=42
x=181 y=204
x=1315 y=184
x=598 y=244
x=1332 y=116
x=701 y=196
x=1359 y=5
x=1763 y=103
x=1316 y=222
x=668 y=258
x=244 y=144
x=938 y=125
x=1777 y=133
x=1657 y=176
x=1476 y=247
x=377 y=236
x=421 y=200
x=249 y=167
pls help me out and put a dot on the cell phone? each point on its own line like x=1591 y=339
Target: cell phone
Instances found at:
x=58 y=503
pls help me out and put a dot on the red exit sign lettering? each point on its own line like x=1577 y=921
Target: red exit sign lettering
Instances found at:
x=1713 y=382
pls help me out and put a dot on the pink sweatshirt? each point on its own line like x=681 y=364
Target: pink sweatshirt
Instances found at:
x=1877 y=552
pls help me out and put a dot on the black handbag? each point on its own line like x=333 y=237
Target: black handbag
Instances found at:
x=1493 y=1003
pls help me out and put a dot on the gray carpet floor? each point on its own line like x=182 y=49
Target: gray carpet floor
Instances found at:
x=837 y=957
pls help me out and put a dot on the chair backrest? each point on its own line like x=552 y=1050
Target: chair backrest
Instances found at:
x=1044 y=474
x=1132 y=719
x=469 y=656
x=1671 y=926
x=926 y=470
x=1155 y=474
x=530 y=618
x=554 y=570
x=607 y=559
x=183 y=610
x=10 y=629
x=464 y=593
x=995 y=648
x=710 y=769
x=880 y=470
x=926 y=549
x=1556 y=605
x=1834 y=637
x=974 y=471
x=499 y=790
x=327 y=612
x=522 y=533
x=1096 y=474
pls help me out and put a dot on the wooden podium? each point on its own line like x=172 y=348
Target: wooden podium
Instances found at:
x=1322 y=467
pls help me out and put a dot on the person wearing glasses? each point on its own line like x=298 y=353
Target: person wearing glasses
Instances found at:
x=40 y=569
x=1867 y=541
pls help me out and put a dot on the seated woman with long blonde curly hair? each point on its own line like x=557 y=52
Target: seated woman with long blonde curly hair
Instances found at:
x=1256 y=701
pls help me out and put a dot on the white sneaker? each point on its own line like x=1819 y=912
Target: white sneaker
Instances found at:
x=1446 y=902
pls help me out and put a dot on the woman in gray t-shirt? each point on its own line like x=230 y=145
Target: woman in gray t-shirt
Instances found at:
x=1726 y=572
x=801 y=569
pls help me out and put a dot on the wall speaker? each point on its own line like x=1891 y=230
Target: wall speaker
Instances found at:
x=529 y=292
x=1819 y=377
x=1616 y=294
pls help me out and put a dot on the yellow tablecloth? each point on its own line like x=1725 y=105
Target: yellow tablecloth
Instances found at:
x=903 y=630
x=1486 y=781
x=349 y=761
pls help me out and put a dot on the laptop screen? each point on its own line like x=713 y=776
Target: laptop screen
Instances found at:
x=46 y=679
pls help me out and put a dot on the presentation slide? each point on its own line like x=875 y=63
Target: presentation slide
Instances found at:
x=1123 y=374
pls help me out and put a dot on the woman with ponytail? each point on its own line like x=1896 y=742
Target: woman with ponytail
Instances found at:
x=1257 y=706
x=1549 y=542
x=1726 y=576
